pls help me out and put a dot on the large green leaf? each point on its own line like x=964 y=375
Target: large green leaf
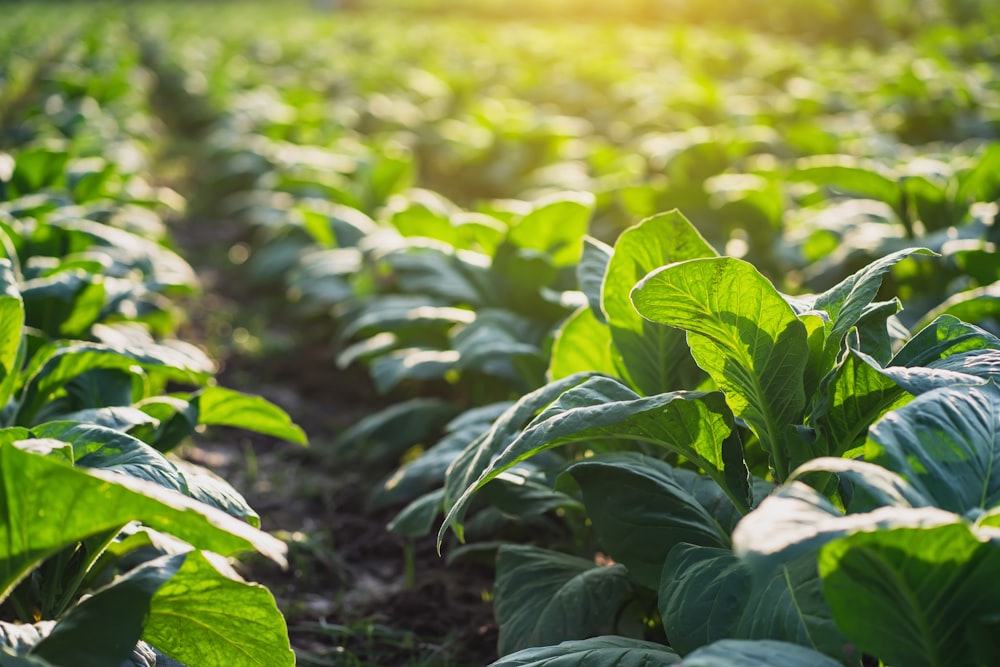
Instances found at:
x=796 y=519
x=640 y=512
x=651 y=356
x=744 y=334
x=596 y=652
x=457 y=277
x=400 y=314
x=65 y=304
x=709 y=594
x=158 y=264
x=854 y=396
x=526 y=490
x=8 y=659
x=412 y=363
x=849 y=174
x=859 y=390
x=472 y=468
x=35 y=488
x=759 y=653
x=946 y=443
x=104 y=628
x=209 y=488
x=119 y=418
x=544 y=597
x=428 y=215
x=871 y=485
x=106 y=449
x=59 y=365
x=206 y=615
x=502 y=344
x=189 y=607
x=582 y=344
x=926 y=597
x=695 y=424
x=177 y=416
x=417 y=518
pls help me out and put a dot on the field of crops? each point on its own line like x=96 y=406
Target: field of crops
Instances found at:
x=553 y=333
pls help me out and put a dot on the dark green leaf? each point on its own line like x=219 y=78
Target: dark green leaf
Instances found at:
x=846 y=302
x=474 y=463
x=104 y=628
x=412 y=363
x=759 y=653
x=544 y=597
x=106 y=449
x=974 y=305
x=390 y=432
x=62 y=364
x=212 y=490
x=946 y=443
x=944 y=336
x=11 y=326
x=797 y=519
x=640 y=512
x=417 y=518
x=708 y=594
x=596 y=652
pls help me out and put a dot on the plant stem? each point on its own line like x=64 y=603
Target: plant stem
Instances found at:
x=409 y=566
x=22 y=611
x=95 y=546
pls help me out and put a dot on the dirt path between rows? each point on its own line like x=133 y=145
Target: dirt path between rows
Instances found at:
x=348 y=597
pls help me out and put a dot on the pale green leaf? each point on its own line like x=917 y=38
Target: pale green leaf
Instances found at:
x=744 y=334
x=582 y=343
x=916 y=596
x=35 y=489
x=651 y=355
x=206 y=616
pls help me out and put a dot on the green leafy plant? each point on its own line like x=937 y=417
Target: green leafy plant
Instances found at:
x=113 y=551
x=679 y=485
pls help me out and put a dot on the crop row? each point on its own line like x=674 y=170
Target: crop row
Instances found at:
x=114 y=551
x=700 y=465
x=669 y=454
